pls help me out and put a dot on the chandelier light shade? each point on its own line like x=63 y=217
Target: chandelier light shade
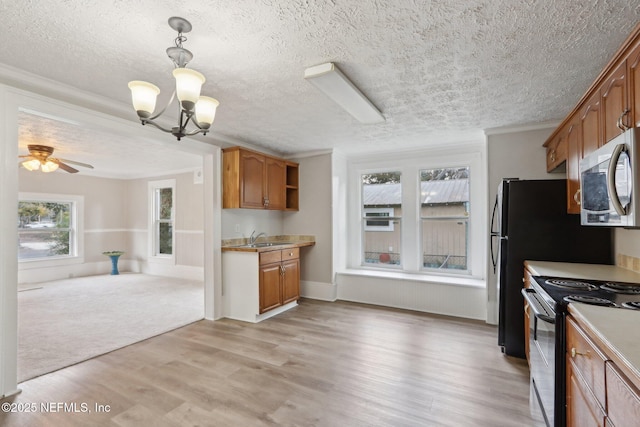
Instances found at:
x=144 y=96
x=206 y=111
x=188 y=85
x=199 y=110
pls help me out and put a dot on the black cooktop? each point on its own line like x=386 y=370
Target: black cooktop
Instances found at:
x=596 y=292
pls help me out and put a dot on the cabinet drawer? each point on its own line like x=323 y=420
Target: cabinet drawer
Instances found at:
x=623 y=400
x=270 y=257
x=588 y=361
x=293 y=253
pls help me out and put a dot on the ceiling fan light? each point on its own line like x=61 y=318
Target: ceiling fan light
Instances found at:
x=188 y=85
x=31 y=165
x=143 y=96
x=206 y=111
x=49 y=166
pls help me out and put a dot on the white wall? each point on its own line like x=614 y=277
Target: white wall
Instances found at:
x=517 y=154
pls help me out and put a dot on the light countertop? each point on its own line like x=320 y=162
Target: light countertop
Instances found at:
x=279 y=242
x=570 y=270
x=616 y=330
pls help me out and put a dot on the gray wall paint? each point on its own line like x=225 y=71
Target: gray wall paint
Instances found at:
x=314 y=218
x=116 y=213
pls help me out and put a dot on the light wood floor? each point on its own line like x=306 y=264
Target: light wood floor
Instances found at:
x=320 y=364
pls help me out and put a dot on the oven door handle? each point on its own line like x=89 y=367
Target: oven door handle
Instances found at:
x=536 y=307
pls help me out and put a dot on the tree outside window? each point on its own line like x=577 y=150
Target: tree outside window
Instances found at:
x=45 y=229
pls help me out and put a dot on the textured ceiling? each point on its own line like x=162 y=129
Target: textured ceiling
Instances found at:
x=439 y=71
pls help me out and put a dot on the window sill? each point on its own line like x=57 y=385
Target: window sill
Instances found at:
x=418 y=277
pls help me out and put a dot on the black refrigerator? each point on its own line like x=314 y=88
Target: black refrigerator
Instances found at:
x=530 y=222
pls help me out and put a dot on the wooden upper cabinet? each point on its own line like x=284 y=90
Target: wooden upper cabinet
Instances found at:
x=574 y=155
x=633 y=77
x=615 y=107
x=255 y=181
x=613 y=98
x=252 y=171
x=590 y=124
x=556 y=150
x=274 y=181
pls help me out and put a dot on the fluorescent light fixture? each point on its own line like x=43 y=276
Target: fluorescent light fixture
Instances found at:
x=330 y=80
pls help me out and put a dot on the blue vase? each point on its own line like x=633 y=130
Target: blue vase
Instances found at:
x=114 y=264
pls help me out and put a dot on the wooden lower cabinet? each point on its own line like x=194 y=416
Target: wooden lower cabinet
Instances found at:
x=598 y=393
x=279 y=278
x=583 y=409
x=623 y=399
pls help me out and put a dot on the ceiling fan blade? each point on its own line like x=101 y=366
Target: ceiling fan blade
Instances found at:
x=73 y=162
x=26 y=156
x=64 y=166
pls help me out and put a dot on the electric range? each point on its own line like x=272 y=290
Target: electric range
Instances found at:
x=547 y=300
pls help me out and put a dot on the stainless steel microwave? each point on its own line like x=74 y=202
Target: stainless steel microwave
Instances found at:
x=609 y=183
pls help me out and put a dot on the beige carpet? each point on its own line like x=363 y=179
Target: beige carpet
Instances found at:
x=67 y=321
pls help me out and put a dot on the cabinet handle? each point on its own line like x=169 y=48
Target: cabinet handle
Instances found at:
x=552 y=155
x=575 y=353
x=576 y=196
x=621 y=124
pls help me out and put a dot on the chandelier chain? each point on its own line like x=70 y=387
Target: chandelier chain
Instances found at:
x=180 y=39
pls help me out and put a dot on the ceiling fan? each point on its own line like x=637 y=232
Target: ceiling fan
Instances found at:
x=39 y=157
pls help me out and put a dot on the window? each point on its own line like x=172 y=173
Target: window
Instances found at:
x=162 y=197
x=48 y=227
x=420 y=212
x=444 y=218
x=381 y=218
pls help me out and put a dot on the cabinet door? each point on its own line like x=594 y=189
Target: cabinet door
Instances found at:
x=290 y=281
x=633 y=75
x=557 y=150
x=275 y=191
x=590 y=125
x=623 y=398
x=614 y=102
x=582 y=407
x=574 y=155
x=252 y=173
x=270 y=292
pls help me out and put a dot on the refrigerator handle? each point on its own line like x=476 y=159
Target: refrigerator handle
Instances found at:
x=494 y=261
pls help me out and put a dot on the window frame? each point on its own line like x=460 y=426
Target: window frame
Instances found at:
x=472 y=155
x=76 y=225
x=465 y=218
x=155 y=221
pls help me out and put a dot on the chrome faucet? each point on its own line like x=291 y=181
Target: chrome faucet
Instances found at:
x=252 y=239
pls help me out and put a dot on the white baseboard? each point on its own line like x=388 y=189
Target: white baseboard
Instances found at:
x=318 y=290
x=45 y=274
x=169 y=270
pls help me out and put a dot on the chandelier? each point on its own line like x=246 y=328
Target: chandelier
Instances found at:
x=199 y=110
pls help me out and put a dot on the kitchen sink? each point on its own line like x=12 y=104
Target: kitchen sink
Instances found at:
x=261 y=245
